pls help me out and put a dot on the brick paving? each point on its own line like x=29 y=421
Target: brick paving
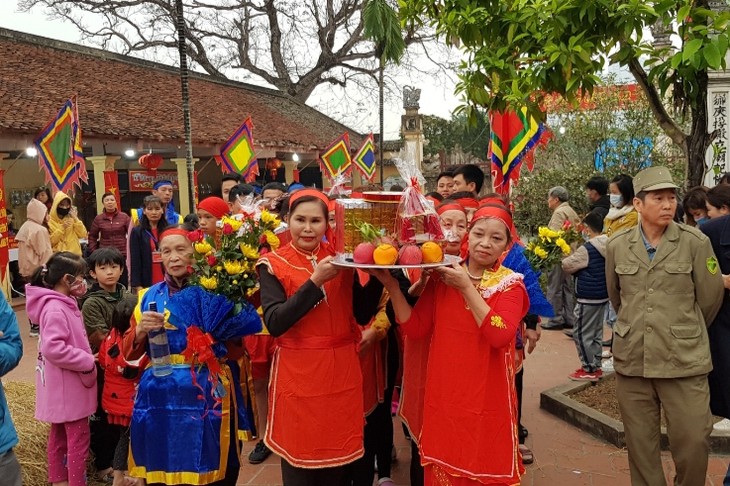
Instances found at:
x=564 y=455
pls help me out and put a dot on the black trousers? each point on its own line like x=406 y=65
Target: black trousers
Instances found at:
x=378 y=434
x=104 y=436
x=416 y=469
x=518 y=386
x=328 y=476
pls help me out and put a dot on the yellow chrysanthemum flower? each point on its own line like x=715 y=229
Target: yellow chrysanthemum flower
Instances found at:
x=272 y=240
x=542 y=231
x=540 y=252
x=249 y=252
x=202 y=247
x=269 y=218
x=235 y=224
x=233 y=267
x=210 y=283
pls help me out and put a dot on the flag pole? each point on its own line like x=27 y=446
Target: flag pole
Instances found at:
x=183 y=51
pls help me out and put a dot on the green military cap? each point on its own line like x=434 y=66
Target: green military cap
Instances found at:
x=653 y=179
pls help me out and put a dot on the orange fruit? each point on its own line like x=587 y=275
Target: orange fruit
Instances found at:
x=385 y=255
x=432 y=252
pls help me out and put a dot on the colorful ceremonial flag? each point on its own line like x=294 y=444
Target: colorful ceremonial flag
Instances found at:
x=336 y=158
x=111 y=184
x=60 y=152
x=364 y=160
x=513 y=139
x=237 y=154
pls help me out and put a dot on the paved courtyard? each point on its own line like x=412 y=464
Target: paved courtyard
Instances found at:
x=564 y=455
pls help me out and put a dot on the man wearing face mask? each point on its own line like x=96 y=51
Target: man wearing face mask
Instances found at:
x=64 y=225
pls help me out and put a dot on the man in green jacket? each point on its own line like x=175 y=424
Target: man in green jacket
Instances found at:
x=664 y=282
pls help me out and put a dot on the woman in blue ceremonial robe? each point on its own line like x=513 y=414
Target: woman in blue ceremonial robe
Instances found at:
x=185 y=425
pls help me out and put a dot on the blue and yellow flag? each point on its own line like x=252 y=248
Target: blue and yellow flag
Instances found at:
x=364 y=159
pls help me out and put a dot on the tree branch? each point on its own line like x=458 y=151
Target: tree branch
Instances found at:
x=665 y=121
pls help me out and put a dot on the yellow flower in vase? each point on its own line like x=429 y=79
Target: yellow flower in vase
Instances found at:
x=233 y=267
x=202 y=247
x=210 y=283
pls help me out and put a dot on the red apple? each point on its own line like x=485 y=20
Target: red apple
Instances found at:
x=410 y=255
x=364 y=254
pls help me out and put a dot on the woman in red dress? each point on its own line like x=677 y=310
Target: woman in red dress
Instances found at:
x=312 y=307
x=469 y=430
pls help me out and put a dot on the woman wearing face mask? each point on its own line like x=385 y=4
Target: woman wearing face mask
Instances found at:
x=622 y=214
x=695 y=206
x=64 y=225
x=65 y=372
x=315 y=420
x=469 y=431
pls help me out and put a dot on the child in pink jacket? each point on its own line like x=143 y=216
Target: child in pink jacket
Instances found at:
x=65 y=373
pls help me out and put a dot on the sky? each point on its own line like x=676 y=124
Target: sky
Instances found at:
x=437 y=96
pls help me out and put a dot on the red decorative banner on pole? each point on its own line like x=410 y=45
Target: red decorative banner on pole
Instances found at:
x=4 y=240
x=111 y=184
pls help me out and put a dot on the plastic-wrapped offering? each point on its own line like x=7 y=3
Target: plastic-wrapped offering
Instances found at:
x=417 y=221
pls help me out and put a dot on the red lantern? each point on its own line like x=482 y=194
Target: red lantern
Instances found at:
x=273 y=166
x=150 y=162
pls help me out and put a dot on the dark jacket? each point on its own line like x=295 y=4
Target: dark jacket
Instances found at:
x=601 y=206
x=140 y=257
x=109 y=230
x=97 y=309
x=590 y=283
x=718 y=230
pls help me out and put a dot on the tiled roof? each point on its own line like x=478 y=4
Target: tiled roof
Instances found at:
x=121 y=97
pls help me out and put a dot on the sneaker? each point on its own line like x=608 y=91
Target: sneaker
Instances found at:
x=722 y=425
x=35 y=329
x=259 y=453
x=582 y=375
x=606 y=354
x=607 y=365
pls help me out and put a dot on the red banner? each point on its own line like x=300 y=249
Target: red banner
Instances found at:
x=111 y=184
x=4 y=237
x=142 y=181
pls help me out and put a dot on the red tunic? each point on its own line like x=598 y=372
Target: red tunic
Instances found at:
x=469 y=432
x=315 y=392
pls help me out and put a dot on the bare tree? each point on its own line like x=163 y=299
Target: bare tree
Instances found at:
x=294 y=45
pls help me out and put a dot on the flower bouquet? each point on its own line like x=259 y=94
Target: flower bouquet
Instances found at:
x=548 y=248
x=222 y=279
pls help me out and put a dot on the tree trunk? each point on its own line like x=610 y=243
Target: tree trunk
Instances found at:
x=183 y=51
x=699 y=140
x=380 y=113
